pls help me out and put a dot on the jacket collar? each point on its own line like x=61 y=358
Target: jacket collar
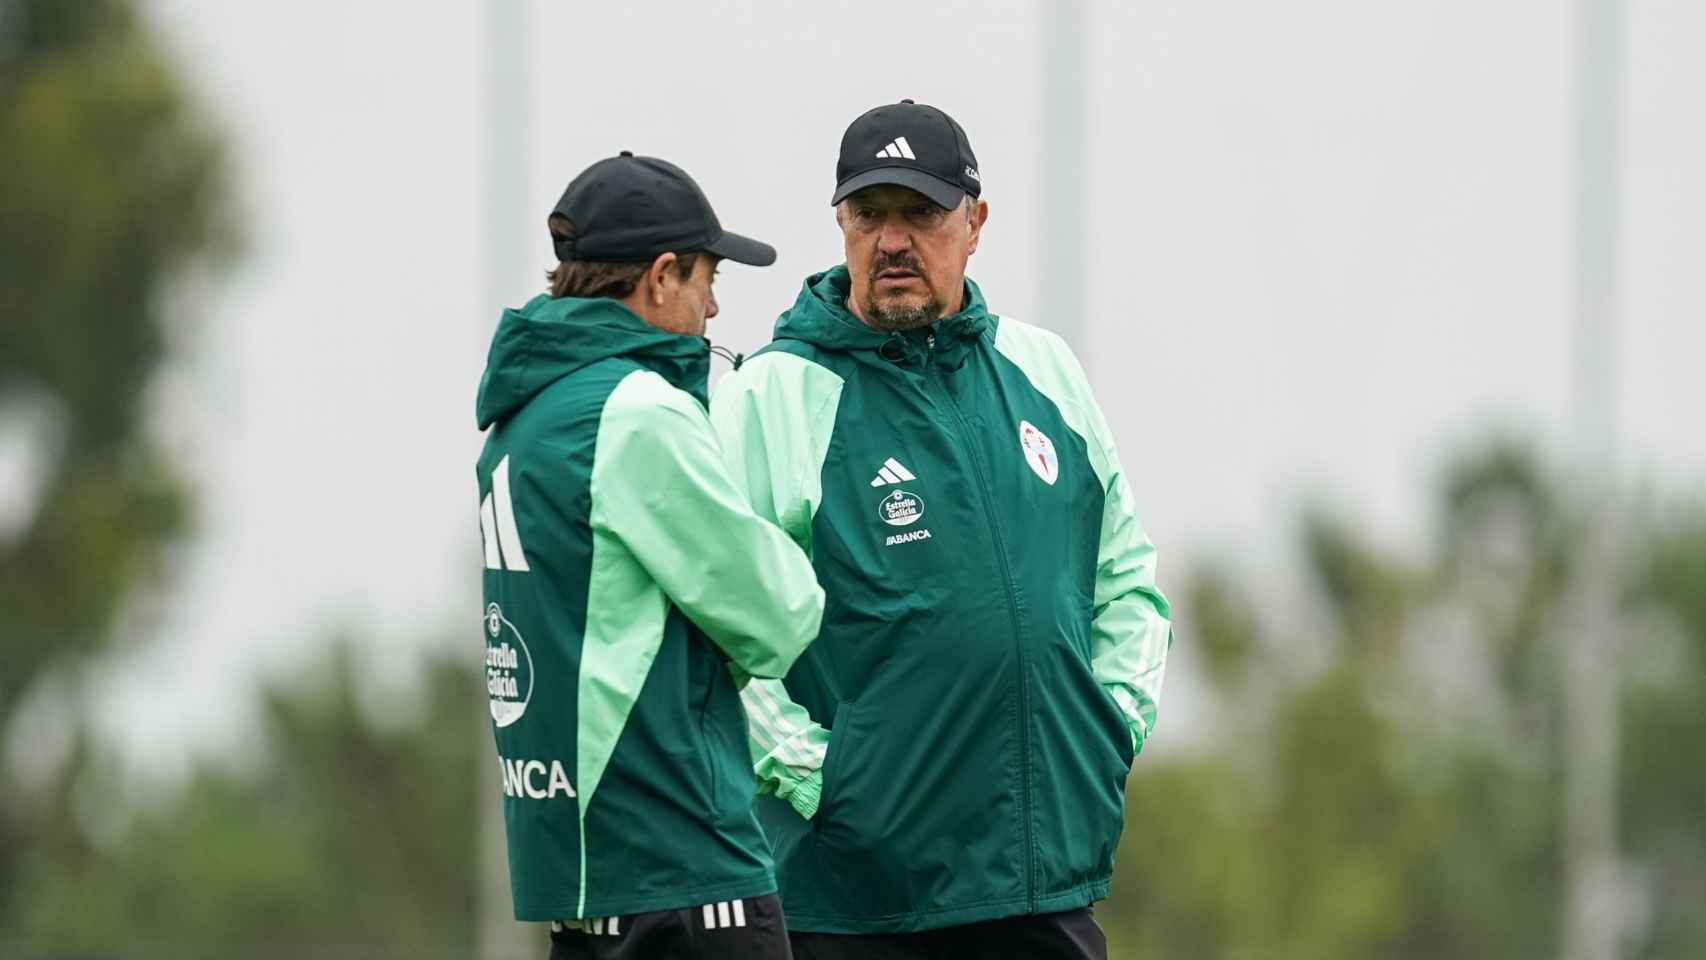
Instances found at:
x=820 y=317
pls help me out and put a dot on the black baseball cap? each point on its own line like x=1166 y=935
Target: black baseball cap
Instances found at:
x=628 y=209
x=910 y=145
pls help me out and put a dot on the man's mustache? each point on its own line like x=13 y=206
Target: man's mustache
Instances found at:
x=895 y=261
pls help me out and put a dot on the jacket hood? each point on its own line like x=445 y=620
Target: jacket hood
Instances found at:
x=820 y=317
x=549 y=339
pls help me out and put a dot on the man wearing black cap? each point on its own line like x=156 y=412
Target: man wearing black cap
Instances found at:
x=944 y=768
x=629 y=591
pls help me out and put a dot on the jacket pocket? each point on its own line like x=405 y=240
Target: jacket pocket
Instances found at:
x=1079 y=803
x=1123 y=741
x=920 y=809
x=840 y=731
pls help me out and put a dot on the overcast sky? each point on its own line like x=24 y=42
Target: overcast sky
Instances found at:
x=1328 y=244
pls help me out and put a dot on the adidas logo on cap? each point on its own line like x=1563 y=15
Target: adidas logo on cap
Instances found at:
x=897 y=148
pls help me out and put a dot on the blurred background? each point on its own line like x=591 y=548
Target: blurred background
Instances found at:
x=1396 y=310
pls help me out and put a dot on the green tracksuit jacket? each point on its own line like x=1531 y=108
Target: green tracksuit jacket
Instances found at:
x=954 y=746
x=629 y=590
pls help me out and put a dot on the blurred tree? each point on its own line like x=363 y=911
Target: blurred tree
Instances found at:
x=1227 y=631
x=348 y=837
x=111 y=187
x=1402 y=800
x=1664 y=738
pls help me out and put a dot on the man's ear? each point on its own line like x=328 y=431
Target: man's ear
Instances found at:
x=658 y=276
x=974 y=218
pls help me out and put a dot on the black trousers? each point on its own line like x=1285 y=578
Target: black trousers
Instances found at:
x=1072 y=935
x=749 y=929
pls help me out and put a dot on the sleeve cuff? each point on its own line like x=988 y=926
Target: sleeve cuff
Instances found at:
x=806 y=793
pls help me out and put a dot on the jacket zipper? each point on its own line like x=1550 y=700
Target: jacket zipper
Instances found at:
x=1012 y=616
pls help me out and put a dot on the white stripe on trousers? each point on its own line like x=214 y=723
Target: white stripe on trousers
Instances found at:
x=717 y=915
x=596 y=926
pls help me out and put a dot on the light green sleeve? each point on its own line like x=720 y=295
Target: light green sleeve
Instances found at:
x=774 y=418
x=787 y=745
x=1131 y=630
x=660 y=486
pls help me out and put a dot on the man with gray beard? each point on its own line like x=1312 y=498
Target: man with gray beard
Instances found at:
x=944 y=769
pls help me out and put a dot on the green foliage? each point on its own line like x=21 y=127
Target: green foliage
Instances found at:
x=1227 y=631
x=1368 y=594
x=1664 y=738
x=1360 y=812
x=111 y=188
x=1505 y=546
x=349 y=834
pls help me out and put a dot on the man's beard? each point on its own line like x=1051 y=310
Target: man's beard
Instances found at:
x=900 y=316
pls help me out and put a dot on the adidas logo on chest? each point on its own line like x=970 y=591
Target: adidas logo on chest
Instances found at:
x=892 y=472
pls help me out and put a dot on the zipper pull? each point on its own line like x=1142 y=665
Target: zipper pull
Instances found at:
x=930 y=342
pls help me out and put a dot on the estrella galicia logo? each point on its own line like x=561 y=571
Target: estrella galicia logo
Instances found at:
x=900 y=509
x=509 y=668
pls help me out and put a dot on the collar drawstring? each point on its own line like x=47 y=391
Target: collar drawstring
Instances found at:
x=893 y=349
x=735 y=358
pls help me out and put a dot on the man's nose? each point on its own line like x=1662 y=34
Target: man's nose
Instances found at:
x=894 y=236
x=711 y=307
